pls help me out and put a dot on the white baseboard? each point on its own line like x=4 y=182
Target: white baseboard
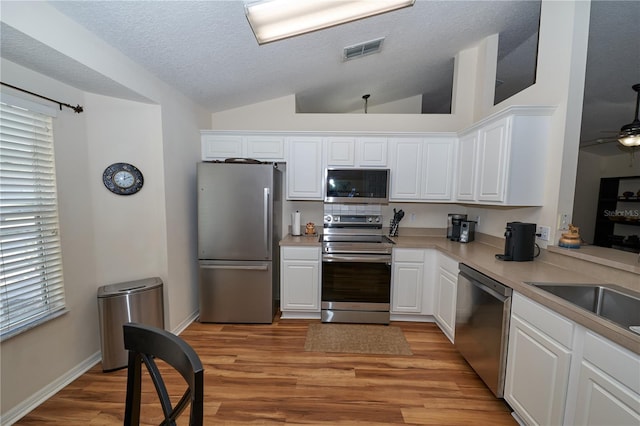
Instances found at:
x=184 y=324
x=26 y=406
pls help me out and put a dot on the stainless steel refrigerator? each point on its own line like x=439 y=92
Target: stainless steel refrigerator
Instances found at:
x=239 y=229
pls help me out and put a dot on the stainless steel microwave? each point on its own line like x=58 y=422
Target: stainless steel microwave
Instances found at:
x=362 y=186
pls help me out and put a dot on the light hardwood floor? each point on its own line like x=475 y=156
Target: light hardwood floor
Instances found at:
x=261 y=374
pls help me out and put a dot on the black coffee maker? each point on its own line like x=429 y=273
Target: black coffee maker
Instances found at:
x=454 y=225
x=520 y=242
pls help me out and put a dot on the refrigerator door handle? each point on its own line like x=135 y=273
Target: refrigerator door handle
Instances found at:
x=242 y=267
x=265 y=199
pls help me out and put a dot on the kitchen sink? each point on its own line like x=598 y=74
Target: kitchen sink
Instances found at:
x=614 y=303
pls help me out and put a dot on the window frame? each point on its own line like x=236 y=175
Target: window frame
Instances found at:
x=29 y=219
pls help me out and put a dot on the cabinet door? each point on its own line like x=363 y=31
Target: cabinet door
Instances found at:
x=537 y=375
x=437 y=169
x=341 y=151
x=405 y=168
x=607 y=392
x=466 y=170
x=445 y=302
x=304 y=168
x=407 y=280
x=300 y=279
x=219 y=147
x=265 y=147
x=493 y=146
x=371 y=152
x=407 y=287
x=604 y=401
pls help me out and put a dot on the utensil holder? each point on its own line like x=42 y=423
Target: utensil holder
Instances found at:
x=393 y=229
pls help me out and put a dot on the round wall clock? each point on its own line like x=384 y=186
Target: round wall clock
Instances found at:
x=122 y=179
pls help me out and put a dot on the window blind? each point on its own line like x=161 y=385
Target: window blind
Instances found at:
x=31 y=282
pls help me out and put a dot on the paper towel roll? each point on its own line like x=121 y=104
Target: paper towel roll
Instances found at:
x=295 y=223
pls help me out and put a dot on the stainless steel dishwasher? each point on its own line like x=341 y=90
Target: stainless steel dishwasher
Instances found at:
x=482 y=325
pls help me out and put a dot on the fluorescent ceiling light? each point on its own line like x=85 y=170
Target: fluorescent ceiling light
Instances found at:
x=273 y=20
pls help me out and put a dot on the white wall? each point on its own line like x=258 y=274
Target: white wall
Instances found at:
x=560 y=74
x=279 y=114
x=36 y=358
x=129 y=231
x=559 y=82
x=105 y=238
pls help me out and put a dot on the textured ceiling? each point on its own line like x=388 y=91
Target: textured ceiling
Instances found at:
x=206 y=50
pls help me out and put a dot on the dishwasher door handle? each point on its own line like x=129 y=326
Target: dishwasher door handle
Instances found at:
x=486 y=289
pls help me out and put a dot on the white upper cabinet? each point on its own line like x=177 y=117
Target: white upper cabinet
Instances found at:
x=501 y=160
x=305 y=177
x=356 y=151
x=341 y=151
x=222 y=145
x=438 y=160
x=466 y=172
x=371 y=152
x=263 y=147
x=406 y=158
x=422 y=168
x=219 y=147
x=493 y=160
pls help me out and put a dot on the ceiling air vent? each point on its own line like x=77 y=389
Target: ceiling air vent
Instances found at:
x=362 y=49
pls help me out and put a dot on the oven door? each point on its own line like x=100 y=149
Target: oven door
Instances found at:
x=356 y=288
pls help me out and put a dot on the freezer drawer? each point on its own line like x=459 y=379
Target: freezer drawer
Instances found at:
x=236 y=292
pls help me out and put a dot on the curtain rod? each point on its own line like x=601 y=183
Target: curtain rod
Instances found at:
x=78 y=109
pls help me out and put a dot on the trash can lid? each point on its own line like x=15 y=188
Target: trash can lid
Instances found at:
x=128 y=287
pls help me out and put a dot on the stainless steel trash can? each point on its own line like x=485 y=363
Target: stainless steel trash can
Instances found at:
x=133 y=301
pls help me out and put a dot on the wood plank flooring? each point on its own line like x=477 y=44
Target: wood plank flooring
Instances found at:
x=260 y=374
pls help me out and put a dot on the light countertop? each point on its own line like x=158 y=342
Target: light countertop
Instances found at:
x=481 y=256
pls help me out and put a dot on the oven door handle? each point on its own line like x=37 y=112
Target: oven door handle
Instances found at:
x=357 y=258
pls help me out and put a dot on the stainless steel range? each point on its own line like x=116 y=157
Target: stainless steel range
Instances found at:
x=356 y=270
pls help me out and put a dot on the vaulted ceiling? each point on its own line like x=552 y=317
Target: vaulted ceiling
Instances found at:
x=207 y=50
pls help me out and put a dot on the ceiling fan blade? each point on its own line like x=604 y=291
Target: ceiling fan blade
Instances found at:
x=597 y=141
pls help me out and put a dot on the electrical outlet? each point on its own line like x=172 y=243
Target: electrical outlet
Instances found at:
x=543 y=233
x=563 y=221
x=412 y=217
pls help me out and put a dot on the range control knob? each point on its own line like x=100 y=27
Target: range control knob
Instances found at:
x=369 y=219
x=327 y=218
x=377 y=219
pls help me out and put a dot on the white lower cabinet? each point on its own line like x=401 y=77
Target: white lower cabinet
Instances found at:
x=538 y=365
x=559 y=373
x=412 y=283
x=445 y=293
x=300 y=282
x=608 y=384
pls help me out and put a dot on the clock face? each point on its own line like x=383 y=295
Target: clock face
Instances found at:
x=122 y=179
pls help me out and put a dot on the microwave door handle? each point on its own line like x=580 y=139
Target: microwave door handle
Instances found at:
x=265 y=209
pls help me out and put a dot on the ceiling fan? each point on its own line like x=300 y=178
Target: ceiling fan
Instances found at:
x=613 y=138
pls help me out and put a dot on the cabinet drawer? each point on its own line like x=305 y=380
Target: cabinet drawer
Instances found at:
x=301 y=253
x=551 y=323
x=617 y=362
x=448 y=264
x=408 y=255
